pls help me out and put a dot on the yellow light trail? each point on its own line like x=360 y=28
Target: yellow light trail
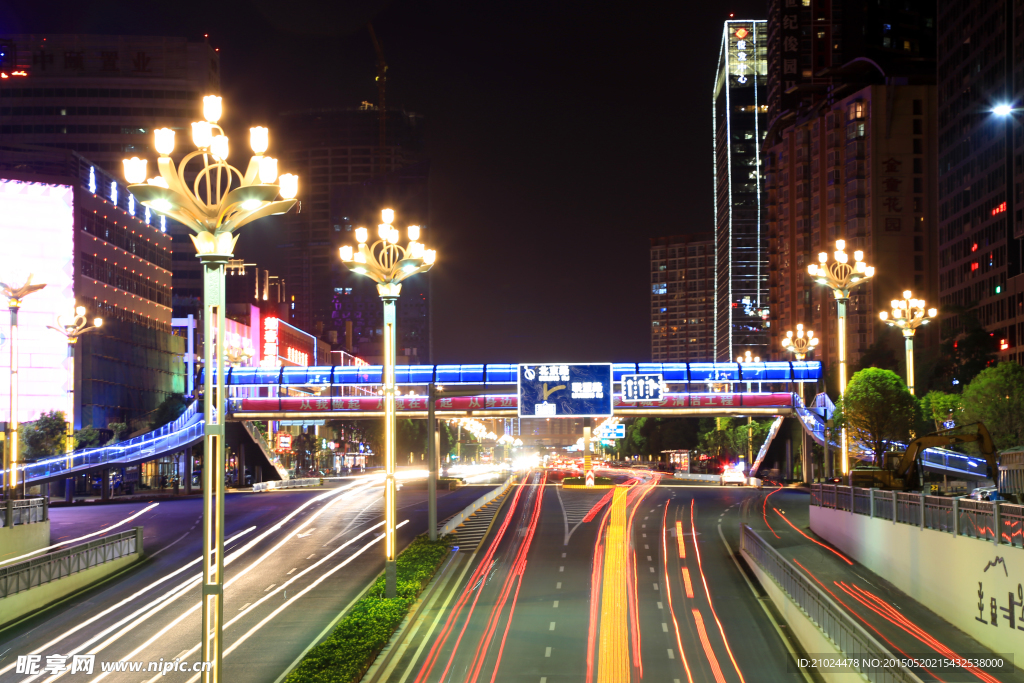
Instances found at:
x=613 y=651
x=679 y=539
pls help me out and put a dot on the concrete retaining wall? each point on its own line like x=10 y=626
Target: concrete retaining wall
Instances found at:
x=966 y=581
x=21 y=539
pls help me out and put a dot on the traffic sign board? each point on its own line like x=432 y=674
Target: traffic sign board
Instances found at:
x=563 y=390
x=641 y=387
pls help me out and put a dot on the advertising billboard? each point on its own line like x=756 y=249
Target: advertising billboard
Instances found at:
x=37 y=233
x=285 y=344
x=563 y=390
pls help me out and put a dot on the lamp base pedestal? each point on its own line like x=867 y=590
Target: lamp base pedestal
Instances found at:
x=390 y=579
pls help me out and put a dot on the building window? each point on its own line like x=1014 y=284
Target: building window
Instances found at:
x=918 y=107
x=918 y=146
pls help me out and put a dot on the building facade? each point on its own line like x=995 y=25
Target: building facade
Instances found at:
x=981 y=169
x=347 y=179
x=860 y=169
x=76 y=230
x=683 y=298
x=102 y=96
x=739 y=112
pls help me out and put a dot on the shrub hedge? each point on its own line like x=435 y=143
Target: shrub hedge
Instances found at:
x=346 y=654
x=581 y=481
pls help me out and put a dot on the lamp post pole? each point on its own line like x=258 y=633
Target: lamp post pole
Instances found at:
x=841 y=276
x=908 y=314
x=388 y=265
x=219 y=201
x=15 y=294
x=73 y=329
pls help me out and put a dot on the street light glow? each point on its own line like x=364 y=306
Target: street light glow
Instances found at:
x=908 y=314
x=1002 y=110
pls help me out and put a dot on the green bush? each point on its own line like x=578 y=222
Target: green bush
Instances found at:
x=346 y=654
x=581 y=481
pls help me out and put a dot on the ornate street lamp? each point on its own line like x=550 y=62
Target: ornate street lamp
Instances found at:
x=801 y=343
x=73 y=327
x=15 y=294
x=908 y=314
x=214 y=204
x=841 y=276
x=388 y=264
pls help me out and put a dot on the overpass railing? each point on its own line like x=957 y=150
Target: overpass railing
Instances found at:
x=995 y=521
x=184 y=431
x=841 y=628
x=32 y=573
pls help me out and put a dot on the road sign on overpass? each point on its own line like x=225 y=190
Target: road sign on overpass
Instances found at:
x=561 y=390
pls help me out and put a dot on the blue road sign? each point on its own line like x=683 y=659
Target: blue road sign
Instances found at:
x=562 y=390
x=641 y=387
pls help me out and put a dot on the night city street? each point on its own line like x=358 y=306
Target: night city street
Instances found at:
x=419 y=342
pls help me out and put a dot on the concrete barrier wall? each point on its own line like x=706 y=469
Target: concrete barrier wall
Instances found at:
x=966 y=581
x=16 y=606
x=21 y=539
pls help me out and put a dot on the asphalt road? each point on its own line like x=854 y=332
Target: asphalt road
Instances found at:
x=532 y=608
x=295 y=560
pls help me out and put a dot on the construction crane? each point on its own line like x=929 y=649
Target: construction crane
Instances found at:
x=382 y=80
x=898 y=472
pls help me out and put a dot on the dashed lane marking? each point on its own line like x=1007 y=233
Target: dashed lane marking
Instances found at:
x=555 y=606
x=551 y=627
x=547 y=652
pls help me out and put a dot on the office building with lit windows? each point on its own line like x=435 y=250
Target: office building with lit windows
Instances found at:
x=347 y=179
x=682 y=298
x=739 y=112
x=981 y=171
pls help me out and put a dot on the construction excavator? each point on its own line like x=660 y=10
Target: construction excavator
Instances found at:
x=902 y=472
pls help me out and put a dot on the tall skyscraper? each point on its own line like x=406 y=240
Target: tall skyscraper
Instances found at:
x=683 y=298
x=740 y=109
x=348 y=180
x=860 y=169
x=102 y=97
x=981 y=170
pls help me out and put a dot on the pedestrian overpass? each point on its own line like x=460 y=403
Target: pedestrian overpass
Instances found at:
x=771 y=388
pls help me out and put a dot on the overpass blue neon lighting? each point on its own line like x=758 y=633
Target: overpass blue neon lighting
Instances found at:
x=506 y=373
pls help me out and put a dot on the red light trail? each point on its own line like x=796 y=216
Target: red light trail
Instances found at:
x=668 y=594
x=831 y=550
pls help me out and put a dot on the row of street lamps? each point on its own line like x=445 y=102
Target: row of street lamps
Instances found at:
x=841 y=277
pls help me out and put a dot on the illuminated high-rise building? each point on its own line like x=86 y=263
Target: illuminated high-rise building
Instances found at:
x=683 y=298
x=739 y=110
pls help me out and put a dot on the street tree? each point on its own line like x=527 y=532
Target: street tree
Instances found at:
x=44 y=436
x=877 y=410
x=996 y=398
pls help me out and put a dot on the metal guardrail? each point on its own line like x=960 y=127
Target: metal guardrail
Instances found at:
x=288 y=484
x=28 y=511
x=183 y=432
x=958 y=516
x=838 y=626
x=458 y=519
x=29 y=574
x=692 y=476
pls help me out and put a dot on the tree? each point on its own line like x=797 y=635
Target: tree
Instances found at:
x=168 y=411
x=88 y=437
x=877 y=410
x=118 y=429
x=966 y=355
x=45 y=436
x=940 y=407
x=996 y=398
x=880 y=354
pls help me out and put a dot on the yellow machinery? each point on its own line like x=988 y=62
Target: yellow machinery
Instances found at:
x=901 y=471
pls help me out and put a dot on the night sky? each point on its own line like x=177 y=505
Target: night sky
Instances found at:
x=562 y=135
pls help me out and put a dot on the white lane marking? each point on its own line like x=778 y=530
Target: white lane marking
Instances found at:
x=645 y=519
x=643 y=526
x=644 y=535
x=239 y=609
x=561 y=568
x=269 y=587
x=291 y=570
x=558 y=585
x=655 y=586
x=649 y=558
x=652 y=569
x=563 y=554
x=671 y=655
x=543 y=679
x=555 y=606
x=664 y=627
x=646 y=547
x=661 y=606
x=311 y=556
x=551 y=627
x=308 y=533
x=547 y=652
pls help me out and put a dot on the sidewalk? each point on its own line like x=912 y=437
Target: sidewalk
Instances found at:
x=782 y=518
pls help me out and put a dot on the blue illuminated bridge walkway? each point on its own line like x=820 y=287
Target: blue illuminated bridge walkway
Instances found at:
x=351 y=392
